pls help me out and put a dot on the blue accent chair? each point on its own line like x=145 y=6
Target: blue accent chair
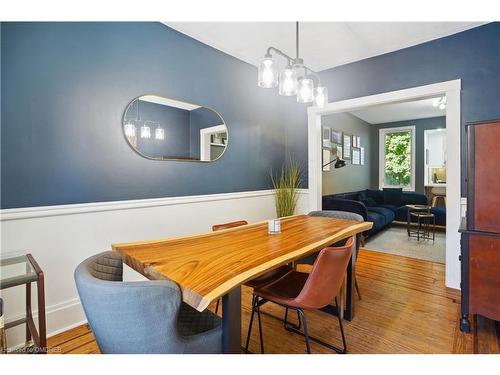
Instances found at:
x=144 y=316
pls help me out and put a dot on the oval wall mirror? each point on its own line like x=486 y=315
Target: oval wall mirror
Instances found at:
x=160 y=128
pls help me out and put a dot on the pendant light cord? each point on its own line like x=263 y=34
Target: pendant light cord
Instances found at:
x=297 y=38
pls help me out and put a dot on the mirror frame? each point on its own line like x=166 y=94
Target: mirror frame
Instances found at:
x=172 y=159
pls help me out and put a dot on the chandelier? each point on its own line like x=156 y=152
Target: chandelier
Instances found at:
x=145 y=129
x=295 y=79
x=440 y=102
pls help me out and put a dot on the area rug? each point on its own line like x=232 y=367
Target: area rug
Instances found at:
x=394 y=240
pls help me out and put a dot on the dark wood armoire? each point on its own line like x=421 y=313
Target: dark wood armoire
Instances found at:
x=480 y=230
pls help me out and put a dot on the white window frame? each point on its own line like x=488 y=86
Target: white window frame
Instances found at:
x=381 y=156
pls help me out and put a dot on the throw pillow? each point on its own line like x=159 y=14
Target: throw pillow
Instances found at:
x=376 y=195
x=368 y=202
x=393 y=196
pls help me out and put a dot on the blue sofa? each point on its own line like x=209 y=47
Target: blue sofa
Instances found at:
x=379 y=207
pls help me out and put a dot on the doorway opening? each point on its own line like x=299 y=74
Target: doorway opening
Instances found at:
x=417 y=171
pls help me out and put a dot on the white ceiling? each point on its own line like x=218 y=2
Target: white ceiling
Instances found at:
x=323 y=45
x=402 y=111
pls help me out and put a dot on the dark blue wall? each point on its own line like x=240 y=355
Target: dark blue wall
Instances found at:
x=473 y=56
x=65 y=87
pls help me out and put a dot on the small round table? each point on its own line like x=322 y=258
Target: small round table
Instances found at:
x=425 y=222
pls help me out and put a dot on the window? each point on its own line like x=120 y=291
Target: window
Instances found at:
x=397 y=157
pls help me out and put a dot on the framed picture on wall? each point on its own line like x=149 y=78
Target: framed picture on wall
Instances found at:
x=326 y=137
x=327 y=157
x=356 y=156
x=336 y=136
x=337 y=150
x=362 y=155
x=346 y=145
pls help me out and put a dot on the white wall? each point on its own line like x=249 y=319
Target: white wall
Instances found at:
x=60 y=237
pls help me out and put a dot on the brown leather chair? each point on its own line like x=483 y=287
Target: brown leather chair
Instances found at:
x=261 y=280
x=232 y=224
x=314 y=291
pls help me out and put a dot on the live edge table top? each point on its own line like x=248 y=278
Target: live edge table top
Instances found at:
x=209 y=265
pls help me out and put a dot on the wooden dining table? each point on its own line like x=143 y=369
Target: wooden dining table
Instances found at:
x=212 y=265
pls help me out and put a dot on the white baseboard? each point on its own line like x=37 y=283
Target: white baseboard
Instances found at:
x=60 y=317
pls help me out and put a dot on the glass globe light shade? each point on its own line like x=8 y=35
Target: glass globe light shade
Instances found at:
x=129 y=129
x=320 y=96
x=160 y=133
x=305 y=88
x=288 y=81
x=268 y=76
x=145 y=131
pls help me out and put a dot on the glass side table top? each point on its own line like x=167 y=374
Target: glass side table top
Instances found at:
x=16 y=269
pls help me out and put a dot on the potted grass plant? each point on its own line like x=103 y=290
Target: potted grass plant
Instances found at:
x=286 y=187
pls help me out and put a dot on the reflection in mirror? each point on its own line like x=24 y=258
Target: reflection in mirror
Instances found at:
x=166 y=129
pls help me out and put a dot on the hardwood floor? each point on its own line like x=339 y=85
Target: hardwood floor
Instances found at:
x=405 y=308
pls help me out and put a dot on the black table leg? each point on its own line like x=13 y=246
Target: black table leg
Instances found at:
x=349 y=306
x=408 y=221
x=231 y=322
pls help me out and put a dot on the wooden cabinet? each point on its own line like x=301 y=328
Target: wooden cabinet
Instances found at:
x=484 y=272
x=480 y=250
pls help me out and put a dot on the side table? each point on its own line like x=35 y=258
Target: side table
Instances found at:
x=24 y=270
x=423 y=218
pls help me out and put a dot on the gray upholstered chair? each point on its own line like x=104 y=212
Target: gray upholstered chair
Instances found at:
x=141 y=316
x=345 y=215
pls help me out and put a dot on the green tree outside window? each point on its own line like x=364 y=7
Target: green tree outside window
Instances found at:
x=398 y=159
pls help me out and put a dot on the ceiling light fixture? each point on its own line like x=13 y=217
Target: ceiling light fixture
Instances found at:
x=145 y=130
x=130 y=129
x=288 y=81
x=440 y=102
x=159 y=133
x=294 y=79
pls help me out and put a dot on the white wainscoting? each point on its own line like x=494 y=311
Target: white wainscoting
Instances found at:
x=60 y=237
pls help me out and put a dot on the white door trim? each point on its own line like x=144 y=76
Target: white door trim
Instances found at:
x=453 y=125
x=205 y=140
x=381 y=155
